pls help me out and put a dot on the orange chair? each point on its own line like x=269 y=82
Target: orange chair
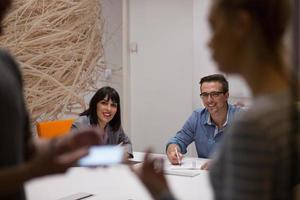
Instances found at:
x=55 y=128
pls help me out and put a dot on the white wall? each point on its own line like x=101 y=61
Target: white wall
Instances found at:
x=203 y=65
x=112 y=43
x=160 y=71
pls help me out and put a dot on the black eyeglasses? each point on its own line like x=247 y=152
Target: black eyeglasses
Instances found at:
x=214 y=94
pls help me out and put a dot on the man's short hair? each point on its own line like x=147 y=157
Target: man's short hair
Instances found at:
x=216 y=78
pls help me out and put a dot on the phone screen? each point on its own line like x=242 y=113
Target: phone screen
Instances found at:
x=103 y=156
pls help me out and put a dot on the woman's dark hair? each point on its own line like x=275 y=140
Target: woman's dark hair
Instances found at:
x=107 y=93
x=272 y=16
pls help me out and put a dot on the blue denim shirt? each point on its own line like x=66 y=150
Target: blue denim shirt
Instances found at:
x=200 y=129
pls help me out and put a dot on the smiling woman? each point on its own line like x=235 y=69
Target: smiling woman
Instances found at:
x=105 y=112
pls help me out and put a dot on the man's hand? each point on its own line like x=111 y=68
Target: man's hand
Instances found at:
x=174 y=157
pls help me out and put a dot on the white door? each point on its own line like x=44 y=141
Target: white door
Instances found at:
x=160 y=70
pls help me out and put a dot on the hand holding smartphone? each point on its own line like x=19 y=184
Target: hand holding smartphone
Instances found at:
x=104 y=155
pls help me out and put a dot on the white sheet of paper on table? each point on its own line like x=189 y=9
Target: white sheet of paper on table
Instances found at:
x=188 y=173
x=187 y=168
x=192 y=165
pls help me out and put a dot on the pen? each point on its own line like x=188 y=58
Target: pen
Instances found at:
x=177 y=156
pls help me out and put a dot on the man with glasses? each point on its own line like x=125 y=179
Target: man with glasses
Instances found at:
x=205 y=126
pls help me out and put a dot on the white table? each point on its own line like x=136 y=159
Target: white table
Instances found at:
x=114 y=183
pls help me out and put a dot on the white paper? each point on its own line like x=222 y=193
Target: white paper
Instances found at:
x=192 y=165
x=189 y=173
x=188 y=167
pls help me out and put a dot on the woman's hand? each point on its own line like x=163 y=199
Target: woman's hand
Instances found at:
x=58 y=154
x=151 y=175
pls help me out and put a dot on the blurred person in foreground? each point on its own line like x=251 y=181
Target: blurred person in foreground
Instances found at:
x=255 y=160
x=22 y=157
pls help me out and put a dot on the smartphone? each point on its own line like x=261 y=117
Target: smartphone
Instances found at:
x=103 y=156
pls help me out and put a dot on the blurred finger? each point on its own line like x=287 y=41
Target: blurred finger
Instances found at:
x=159 y=165
x=70 y=159
x=87 y=137
x=204 y=166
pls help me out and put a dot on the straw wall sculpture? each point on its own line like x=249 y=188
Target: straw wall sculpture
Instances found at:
x=58 y=46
